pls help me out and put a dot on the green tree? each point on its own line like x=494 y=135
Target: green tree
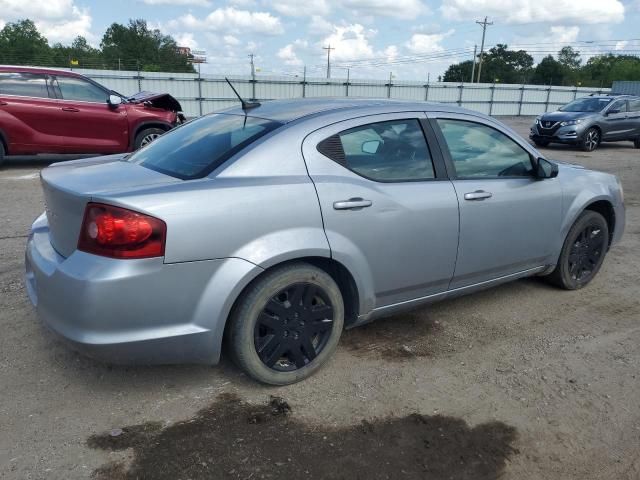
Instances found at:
x=548 y=72
x=603 y=70
x=21 y=43
x=79 y=51
x=135 y=46
x=459 y=72
x=569 y=59
x=506 y=66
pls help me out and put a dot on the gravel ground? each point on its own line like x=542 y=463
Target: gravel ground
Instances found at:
x=522 y=381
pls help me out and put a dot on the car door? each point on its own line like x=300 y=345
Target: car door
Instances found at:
x=617 y=124
x=509 y=220
x=26 y=113
x=634 y=116
x=90 y=124
x=389 y=212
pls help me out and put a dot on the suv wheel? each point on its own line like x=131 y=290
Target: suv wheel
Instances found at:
x=1 y=153
x=591 y=140
x=541 y=143
x=582 y=253
x=636 y=143
x=287 y=324
x=146 y=136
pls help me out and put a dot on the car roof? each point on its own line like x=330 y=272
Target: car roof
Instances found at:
x=44 y=71
x=286 y=111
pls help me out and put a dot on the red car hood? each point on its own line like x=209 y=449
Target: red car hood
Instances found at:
x=158 y=100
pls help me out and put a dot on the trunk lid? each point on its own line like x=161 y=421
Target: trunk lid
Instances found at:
x=69 y=186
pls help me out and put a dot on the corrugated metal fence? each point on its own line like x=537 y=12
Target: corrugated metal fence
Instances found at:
x=206 y=93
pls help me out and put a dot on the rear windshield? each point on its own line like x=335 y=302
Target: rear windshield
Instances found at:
x=587 y=104
x=196 y=148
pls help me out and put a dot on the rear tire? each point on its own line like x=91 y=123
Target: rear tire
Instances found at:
x=583 y=252
x=146 y=136
x=591 y=140
x=286 y=324
x=636 y=143
x=2 y=153
x=542 y=143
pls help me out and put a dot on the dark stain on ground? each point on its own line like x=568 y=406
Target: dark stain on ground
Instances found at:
x=232 y=439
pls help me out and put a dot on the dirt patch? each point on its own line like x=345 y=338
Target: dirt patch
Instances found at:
x=234 y=439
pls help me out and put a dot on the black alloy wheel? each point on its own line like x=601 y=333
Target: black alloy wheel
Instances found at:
x=583 y=252
x=294 y=327
x=591 y=140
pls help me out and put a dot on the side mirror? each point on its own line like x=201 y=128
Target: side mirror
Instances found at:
x=114 y=100
x=371 y=146
x=546 y=169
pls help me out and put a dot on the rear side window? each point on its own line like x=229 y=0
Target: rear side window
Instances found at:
x=196 y=148
x=23 y=84
x=393 y=151
x=478 y=150
x=80 y=90
x=634 y=105
x=620 y=105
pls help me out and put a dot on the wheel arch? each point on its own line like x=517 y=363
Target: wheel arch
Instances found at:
x=336 y=270
x=605 y=208
x=166 y=126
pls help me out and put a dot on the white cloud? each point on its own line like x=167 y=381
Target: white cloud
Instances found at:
x=319 y=26
x=231 y=20
x=293 y=8
x=621 y=45
x=564 y=35
x=186 y=40
x=58 y=20
x=194 y=3
x=231 y=40
x=421 y=43
x=288 y=55
x=527 y=11
x=350 y=42
x=407 y=9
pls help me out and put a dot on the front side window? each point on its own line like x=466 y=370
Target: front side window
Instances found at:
x=194 y=149
x=23 y=84
x=620 y=106
x=392 y=151
x=478 y=150
x=80 y=90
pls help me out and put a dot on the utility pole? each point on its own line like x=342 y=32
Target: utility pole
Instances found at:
x=253 y=67
x=473 y=68
x=328 y=48
x=484 y=25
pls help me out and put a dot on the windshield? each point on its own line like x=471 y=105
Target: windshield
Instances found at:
x=587 y=104
x=194 y=149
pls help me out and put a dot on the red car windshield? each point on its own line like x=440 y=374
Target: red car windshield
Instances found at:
x=196 y=148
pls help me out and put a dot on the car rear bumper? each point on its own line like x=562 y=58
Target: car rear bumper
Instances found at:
x=133 y=311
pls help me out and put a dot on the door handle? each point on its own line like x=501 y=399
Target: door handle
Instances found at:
x=477 y=195
x=70 y=109
x=352 y=204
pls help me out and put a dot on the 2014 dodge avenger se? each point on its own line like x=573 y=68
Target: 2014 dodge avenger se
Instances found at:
x=276 y=226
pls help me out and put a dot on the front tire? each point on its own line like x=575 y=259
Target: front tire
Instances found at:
x=636 y=143
x=287 y=324
x=541 y=143
x=2 y=153
x=583 y=252
x=146 y=136
x=591 y=140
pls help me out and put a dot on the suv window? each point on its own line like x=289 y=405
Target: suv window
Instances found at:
x=196 y=148
x=634 y=105
x=391 y=151
x=478 y=150
x=620 y=105
x=23 y=84
x=78 y=89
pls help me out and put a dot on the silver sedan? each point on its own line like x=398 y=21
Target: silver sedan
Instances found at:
x=275 y=226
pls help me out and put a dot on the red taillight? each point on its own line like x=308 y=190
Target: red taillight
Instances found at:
x=120 y=233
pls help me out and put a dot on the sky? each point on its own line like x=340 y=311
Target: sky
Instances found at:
x=409 y=39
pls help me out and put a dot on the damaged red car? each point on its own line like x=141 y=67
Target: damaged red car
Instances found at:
x=57 y=111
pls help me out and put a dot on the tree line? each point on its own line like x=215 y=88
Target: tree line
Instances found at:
x=123 y=47
x=502 y=65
